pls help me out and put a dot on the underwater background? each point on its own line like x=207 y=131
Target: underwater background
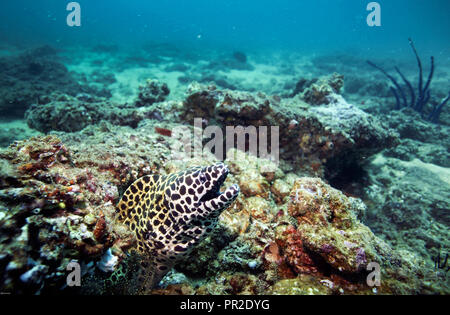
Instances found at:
x=364 y=154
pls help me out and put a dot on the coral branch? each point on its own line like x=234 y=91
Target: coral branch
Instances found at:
x=424 y=93
x=397 y=86
x=419 y=64
x=434 y=116
x=410 y=88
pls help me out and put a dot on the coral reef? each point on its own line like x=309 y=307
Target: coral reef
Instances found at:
x=35 y=73
x=323 y=134
x=319 y=91
x=58 y=204
x=44 y=206
x=409 y=211
x=314 y=243
x=310 y=136
x=152 y=92
x=63 y=112
x=351 y=188
x=418 y=139
x=283 y=230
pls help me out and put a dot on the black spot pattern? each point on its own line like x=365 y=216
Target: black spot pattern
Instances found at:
x=167 y=215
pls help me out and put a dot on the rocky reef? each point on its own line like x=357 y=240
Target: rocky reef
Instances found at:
x=294 y=229
x=62 y=112
x=36 y=73
x=311 y=243
x=407 y=187
x=311 y=137
x=152 y=92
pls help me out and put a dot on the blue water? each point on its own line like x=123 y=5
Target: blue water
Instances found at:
x=299 y=25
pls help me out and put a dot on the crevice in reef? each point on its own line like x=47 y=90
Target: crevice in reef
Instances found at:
x=347 y=174
x=329 y=271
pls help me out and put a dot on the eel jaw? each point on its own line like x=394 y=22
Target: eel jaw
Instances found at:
x=214 y=191
x=223 y=200
x=215 y=200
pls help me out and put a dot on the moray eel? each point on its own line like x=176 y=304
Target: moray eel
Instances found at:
x=171 y=214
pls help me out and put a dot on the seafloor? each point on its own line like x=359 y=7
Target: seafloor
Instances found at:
x=358 y=181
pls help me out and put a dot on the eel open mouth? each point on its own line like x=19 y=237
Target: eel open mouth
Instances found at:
x=214 y=199
x=214 y=191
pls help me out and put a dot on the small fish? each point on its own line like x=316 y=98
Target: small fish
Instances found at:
x=164 y=132
x=171 y=214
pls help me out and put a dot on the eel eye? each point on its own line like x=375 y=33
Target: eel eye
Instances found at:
x=202 y=177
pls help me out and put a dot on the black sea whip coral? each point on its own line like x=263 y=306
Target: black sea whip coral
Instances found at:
x=416 y=102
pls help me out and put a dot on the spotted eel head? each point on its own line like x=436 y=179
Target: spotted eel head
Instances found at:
x=171 y=214
x=194 y=201
x=199 y=191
